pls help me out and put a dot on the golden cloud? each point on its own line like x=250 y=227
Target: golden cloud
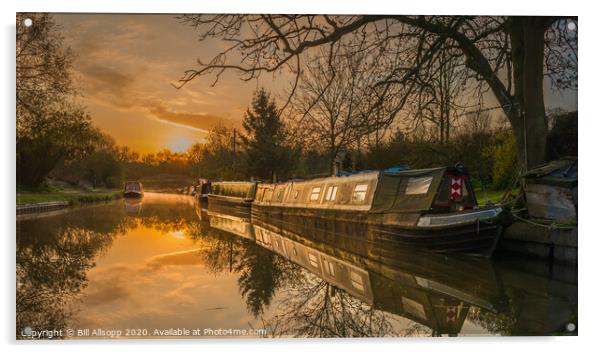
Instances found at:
x=197 y=121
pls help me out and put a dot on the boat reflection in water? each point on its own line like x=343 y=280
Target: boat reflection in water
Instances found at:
x=94 y=267
x=428 y=289
x=413 y=293
x=133 y=206
x=231 y=224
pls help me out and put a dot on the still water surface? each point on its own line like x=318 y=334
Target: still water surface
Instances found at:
x=165 y=263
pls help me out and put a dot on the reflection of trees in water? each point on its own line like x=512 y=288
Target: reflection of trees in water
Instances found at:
x=55 y=253
x=51 y=271
x=530 y=312
x=314 y=308
x=262 y=272
x=494 y=322
x=503 y=321
x=539 y=298
x=166 y=225
x=220 y=254
x=306 y=305
x=167 y=217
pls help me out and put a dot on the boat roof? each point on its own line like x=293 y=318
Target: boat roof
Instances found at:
x=233 y=182
x=368 y=175
x=364 y=175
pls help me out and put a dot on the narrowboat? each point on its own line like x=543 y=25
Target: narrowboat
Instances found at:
x=237 y=194
x=203 y=189
x=433 y=209
x=133 y=189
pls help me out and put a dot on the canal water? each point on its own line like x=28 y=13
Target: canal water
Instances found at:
x=164 y=266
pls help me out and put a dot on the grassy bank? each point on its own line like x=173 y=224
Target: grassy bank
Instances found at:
x=73 y=196
x=494 y=196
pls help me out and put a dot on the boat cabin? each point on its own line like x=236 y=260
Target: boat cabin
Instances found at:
x=132 y=189
x=204 y=187
x=235 y=190
x=436 y=190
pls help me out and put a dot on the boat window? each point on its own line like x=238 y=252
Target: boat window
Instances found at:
x=313 y=260
x=315 y=194
x=329 y=267
x=356 y=281
x=359 y=193
x=331 y=193
x=264 y=237
x=413 y=307
x=132 y=187
x=418 y=185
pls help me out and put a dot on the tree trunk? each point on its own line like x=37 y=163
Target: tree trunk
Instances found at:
x=333 y=160
x=528 y=118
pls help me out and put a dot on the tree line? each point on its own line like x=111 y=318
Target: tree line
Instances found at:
x=273 y=146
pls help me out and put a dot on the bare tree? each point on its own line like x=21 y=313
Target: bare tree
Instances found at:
x=508 y=56
x=443 y=94
x=334 y=104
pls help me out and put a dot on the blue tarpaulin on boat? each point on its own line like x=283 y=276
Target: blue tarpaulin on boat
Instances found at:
x=392 y=169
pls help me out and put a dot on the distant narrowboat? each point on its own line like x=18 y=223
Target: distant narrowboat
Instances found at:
x=133 y=189
x=433 y=209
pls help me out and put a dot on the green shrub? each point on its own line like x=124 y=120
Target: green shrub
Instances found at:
x=503 y=154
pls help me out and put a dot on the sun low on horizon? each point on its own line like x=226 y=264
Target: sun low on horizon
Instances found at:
x=125 y=67
x=179 y=143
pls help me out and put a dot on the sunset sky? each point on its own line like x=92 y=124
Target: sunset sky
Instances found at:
x=124 y=66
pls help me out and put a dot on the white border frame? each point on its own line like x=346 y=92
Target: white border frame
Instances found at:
x=590 y=128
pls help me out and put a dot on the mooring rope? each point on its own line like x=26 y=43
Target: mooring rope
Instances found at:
x=547 y=226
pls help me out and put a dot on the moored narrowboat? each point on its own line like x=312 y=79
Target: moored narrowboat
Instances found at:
x=433 y=209
x=232 y=193
x=133 y=189
x=203 y=189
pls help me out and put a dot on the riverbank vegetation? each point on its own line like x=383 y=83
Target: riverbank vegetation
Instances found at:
x=74 y=196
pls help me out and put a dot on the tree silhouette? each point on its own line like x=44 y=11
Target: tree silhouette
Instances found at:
x=508 y=56
x=266 y=153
